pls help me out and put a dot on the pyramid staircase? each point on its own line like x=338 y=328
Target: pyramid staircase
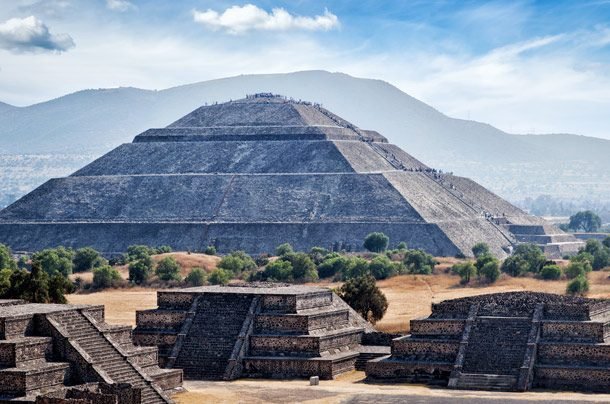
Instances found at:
x=222 y=333
x=48 y=349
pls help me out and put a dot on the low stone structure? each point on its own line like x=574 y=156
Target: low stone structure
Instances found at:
x=254 y=330
x=505 y=341
x=46 y=348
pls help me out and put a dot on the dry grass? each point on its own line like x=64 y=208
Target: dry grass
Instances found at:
x=121 y=304
x=186 y=261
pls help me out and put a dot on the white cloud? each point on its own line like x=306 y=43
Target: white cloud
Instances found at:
x=30 y=34
x=120 y=5
x=240 y=19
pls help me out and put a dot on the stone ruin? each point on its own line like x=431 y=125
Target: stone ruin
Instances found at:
x=257 y=172
x=267 y=331
x=60 y=353
x=505 y=341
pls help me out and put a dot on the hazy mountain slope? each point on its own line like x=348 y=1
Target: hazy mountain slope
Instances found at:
x=513 y=165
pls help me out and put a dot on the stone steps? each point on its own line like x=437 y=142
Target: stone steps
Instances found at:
x=477 y=381
x=104 y=354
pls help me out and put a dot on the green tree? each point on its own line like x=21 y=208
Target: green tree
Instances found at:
x=55 y=260
x=237 y=262
x=419 y=262
x=578 y=268
x=283 y=249
x=356 y=267
x=279 y=271
x=480 y=249
x=196 y=277
x=58 y=287
x=381 y=267
x=23 y=262
x=6 y=258
x=138 y=252
x=586 y=221
x=376 y=242
x=37 y=290
x=19 y=285
x=303 y=268
x=5 y=282
x=482 y=260
x=163 y=249
x=466 y=270
x=551 y=272
x=210 y=250
x=220 y=276
x=168 y=269
x=317 y=254
x=578 y=286
x=525 y=258
x=86 y=258
x=105 y=277
x=363 y=295
x=332 y=265
x=402 y=246
x=490 y=271
x=606 y=242
x=140 y=270
x=515 y=266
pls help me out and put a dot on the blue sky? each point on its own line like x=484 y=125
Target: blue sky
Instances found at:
x=523 y=66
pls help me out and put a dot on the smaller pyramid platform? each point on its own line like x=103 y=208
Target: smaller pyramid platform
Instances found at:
x=505 y=341
x=253 y=330
x=63 y=351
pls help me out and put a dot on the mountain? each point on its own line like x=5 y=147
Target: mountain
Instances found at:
x=94 y=121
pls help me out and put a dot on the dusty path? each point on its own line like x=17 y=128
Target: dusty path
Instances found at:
x=350 y=388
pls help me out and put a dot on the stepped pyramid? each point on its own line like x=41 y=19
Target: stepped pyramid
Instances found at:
x=254 y=173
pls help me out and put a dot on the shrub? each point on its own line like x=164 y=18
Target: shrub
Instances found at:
x=278 y=270
x=601 y=259
x=515 y=266
x=381 y=267
x=303 y=268
x=356 y=267
x=237 y=262
x=219 y=276
x=116 y=260
x=105 y=277
x=86 y=258
x=55 y=260
x=210 y=250
x=140 y=270
x=317 y=254
x=466 y=270
x=168 y=269
x=363 y=295
x=402 y=246
x=532 y=254
x=482 y=260
x=163 y=249
x=578 y=268
x=333 y=265
x=418 y=262
x=480 y=249
x=138 y=252
x=593 y=246
x=262 y=260
x=283 y=249
x=551 y=272
x=196 y=277
x=6 y=258
x=376 y=242
x=578 y=286
x=490 y=271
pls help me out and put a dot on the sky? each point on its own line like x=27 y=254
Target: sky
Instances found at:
x=522 y=66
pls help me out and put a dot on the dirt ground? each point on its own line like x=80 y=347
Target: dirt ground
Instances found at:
x=352 y=388
x=409 y=296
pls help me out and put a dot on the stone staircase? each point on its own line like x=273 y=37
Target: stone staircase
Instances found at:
x=207 y=348
x=479 y=381
x=106 y=356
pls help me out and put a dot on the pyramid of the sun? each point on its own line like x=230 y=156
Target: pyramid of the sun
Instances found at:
x=254 y=173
